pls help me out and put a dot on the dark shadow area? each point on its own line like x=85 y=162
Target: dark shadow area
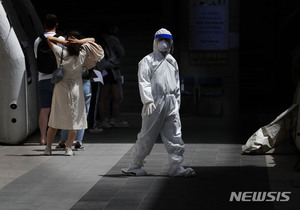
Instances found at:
x=209 y=189
x=268 y=48
x=283 y=172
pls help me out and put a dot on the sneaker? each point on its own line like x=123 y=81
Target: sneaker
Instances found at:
x=79 y=146
x=61 y=146
x=122 y=124
x=47 y=151
x=96 y=130
x=69 y=152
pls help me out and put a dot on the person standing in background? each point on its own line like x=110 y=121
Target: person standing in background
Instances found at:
x=110 y=68
x=68 y=104
x=46 y=65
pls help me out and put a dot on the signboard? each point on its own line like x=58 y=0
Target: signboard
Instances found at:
x=208 y=32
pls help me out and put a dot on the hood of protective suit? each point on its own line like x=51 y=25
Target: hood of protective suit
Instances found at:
x=162 y=33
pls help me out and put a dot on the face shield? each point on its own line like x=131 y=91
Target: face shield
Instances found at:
x=163 y=41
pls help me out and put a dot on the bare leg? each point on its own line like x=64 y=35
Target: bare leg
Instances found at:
x=50 y=136
x=43 y=123
x=71 y=137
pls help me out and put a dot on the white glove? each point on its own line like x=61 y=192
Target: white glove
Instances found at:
x=149 y=108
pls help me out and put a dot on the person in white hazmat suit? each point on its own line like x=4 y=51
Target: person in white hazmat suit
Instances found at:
x=159 y=87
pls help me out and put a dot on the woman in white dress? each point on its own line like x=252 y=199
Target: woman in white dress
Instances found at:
x=68 y=106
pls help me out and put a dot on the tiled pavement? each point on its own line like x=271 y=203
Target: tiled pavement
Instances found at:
x=92 y=178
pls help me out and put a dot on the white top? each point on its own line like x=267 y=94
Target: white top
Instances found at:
x=43 y=76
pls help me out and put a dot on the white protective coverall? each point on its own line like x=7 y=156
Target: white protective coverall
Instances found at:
x=159 y=87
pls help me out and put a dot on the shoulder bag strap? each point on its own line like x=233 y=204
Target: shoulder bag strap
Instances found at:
x=61 y=56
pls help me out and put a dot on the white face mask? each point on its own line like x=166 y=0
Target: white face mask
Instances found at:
x=163 y=46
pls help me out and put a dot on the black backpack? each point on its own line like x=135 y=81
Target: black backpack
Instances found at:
x=46 y=61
